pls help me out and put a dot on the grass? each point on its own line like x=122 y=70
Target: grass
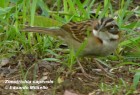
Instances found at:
x=14 y=15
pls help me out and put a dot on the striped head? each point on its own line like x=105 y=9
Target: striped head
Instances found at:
x=107 y=30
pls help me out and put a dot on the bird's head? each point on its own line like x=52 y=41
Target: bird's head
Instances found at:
x=107 y=29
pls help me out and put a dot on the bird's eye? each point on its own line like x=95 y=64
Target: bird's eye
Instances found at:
x=112 y=27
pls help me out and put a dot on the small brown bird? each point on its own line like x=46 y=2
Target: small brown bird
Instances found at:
x=98 y=37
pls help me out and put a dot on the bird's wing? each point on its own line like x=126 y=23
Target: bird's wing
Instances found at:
x=79 y=30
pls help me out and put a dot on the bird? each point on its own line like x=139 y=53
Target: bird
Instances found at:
x=93 y=37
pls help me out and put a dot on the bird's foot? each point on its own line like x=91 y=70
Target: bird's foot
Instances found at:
x=106 y=73
x=84 y=72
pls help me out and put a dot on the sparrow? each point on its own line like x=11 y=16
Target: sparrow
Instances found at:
x=98 y=37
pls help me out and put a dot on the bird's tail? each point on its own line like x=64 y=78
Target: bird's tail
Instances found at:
x=49 y=31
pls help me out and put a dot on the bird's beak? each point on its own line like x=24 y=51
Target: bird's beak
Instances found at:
x=100 y=28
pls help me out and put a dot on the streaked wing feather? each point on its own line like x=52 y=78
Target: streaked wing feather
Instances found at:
x=79 y=29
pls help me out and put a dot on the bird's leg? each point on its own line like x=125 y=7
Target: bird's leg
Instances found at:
x=83 y=71
x=99 y=65
x=107 y=74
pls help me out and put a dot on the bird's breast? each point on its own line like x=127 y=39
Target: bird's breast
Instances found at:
x=99 y=49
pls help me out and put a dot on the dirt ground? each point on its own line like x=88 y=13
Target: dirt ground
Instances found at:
x=57 y=78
